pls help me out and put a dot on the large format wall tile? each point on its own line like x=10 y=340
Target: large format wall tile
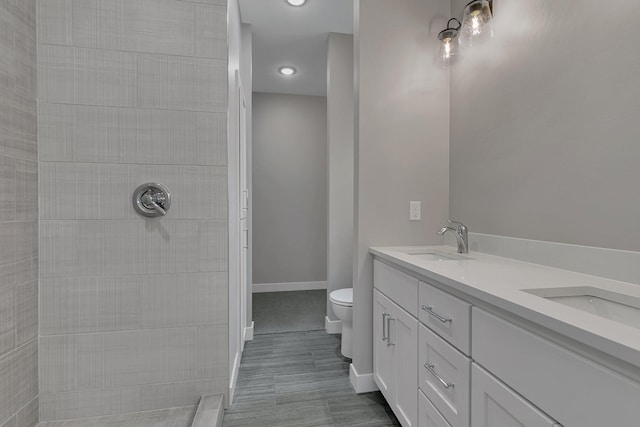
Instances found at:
x=70 y=305
x=7 y=321
x=18 y=215
x=184 y=299
x=134 y=311
x=18 y=251
x=71 y=75
x=78 y=133
x=6 y=391
x=152 y=26
x=71 y=362
x=26 y=190
x=128 y=358
x=104 y=191
x=181 y=83
x=28 y=416
x=26 y=312
x=146 y=397
x=162 y=26
x=25 y=375
x=19 y=382
x=120 y=303
x=211 y=29
x=54 y=22
x=18 y=189
x=105 y=248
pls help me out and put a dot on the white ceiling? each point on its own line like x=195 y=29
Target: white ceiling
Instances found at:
x=296 y=36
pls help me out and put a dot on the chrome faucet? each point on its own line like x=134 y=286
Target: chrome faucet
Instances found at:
x=461 y=233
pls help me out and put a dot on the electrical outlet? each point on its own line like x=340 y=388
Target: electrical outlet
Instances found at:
x=415 y=211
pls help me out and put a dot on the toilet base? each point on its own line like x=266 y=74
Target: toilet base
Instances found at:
x=345 y=347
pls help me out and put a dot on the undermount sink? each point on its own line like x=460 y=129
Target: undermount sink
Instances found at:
x=434 y=255
x=607 y=304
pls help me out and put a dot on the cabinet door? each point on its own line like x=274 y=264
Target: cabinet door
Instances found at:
x=383 y=365
x=493 y=404
x=403 y=337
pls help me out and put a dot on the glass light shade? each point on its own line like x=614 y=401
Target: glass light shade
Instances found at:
x=449 y=51
x=477 y=23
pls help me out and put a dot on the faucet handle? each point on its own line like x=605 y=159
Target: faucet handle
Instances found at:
x=461 y=227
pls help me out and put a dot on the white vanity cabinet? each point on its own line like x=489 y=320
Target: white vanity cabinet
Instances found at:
x=575 y=390
x=443 y=362
x=395 y=342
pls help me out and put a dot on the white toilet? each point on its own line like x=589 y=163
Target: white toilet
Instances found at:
x=342 y=305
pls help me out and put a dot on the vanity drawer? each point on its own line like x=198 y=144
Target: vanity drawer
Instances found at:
x=444 y=377
x=495 y=404
x=448 y=316
x=398 y=286
x=570 y=388
x=428 y=414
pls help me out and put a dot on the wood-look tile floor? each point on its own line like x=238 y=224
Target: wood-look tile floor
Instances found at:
x=174 y=417
x=300 y=379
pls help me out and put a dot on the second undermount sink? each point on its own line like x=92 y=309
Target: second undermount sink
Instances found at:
x=610 y=305
x=434 y=255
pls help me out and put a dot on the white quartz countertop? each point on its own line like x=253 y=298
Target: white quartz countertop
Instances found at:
x=500 y=282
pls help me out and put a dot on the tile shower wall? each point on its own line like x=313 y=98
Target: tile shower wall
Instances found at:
x=134 y=311
x=18 y=215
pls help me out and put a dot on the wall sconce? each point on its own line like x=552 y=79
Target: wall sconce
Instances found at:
x=476 y=26
x=449 y=49
x=477 y=22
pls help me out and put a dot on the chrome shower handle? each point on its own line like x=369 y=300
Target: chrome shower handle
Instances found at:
x=154 y=200
x=151 y=200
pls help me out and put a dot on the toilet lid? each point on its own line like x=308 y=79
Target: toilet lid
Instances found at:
x=342 y=296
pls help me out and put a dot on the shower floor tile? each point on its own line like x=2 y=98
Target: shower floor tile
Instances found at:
x=300 y=379
x=174 y=417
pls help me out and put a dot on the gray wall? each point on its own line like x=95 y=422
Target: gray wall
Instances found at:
x=402 y=140
x=289 y=188
x=544 y=125
x=134 y=311
x=18 y=216
x=340 y=106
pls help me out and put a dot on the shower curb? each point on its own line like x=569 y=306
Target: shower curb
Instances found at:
x=210 y=411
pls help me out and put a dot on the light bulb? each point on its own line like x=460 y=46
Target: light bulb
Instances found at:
x=447 y=48
x=475 y=25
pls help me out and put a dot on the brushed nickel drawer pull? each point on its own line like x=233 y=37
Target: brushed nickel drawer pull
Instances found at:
x=436 y=315
x=384 y=327
x=389 y=319
x=431 y=369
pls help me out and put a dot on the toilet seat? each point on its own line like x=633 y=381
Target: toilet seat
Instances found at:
x=343 y=297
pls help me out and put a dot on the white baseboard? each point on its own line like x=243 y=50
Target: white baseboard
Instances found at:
x=248 y=332
x=234 y=377
x=288 y=286
x=332 y=326
x=362 y=383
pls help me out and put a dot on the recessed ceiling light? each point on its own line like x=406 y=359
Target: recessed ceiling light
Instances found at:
x=296 y=2
x=287 y=71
